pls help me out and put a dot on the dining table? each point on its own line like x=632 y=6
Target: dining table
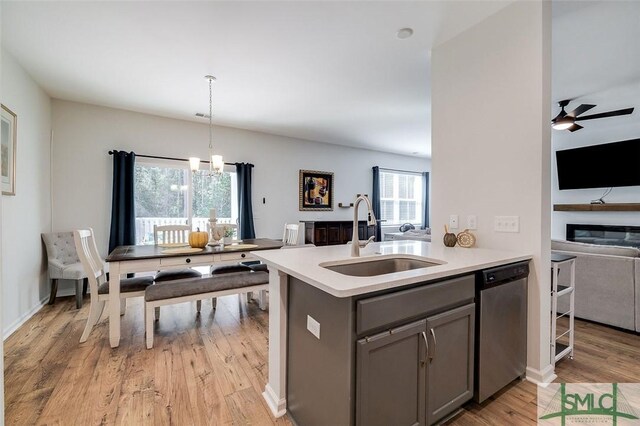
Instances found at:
x=131 y=259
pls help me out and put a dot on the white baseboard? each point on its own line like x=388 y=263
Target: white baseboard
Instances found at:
x=23 y=318
x=278 y=406
x=541 y=377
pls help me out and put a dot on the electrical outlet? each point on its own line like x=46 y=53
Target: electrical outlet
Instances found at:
x=453 y=221
x=472 y=221
x=313 y=326
x=506 y=224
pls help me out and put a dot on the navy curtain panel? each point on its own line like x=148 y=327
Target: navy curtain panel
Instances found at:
x=243 y=172
x=425 y=212
x=123 y=218
x=375 y=201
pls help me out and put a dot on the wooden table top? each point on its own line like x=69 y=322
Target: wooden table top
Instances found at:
x=127 y=253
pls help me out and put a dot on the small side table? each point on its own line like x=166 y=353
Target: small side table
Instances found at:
x=560 y=350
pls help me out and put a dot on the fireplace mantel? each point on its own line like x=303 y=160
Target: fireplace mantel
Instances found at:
x=609 y=207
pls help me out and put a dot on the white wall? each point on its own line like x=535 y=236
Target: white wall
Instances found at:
x=603 y=71
x=491 y=145
x=1 y=260
x=82 y=170
x=27 y=214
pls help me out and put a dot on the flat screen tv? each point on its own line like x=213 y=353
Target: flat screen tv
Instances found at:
x=600 y=166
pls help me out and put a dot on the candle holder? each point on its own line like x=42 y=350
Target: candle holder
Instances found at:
x=215 y=233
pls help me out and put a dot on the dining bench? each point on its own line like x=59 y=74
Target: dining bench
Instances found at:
x=190 y=289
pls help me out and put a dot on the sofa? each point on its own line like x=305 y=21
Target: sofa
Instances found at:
x=412 y=234
x=607 y=283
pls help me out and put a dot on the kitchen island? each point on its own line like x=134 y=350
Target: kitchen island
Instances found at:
x=335 y=323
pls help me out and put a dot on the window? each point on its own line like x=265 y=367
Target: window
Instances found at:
x=167 y=193
x=401 y=198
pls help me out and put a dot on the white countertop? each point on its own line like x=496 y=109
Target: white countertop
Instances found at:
x=304 y=263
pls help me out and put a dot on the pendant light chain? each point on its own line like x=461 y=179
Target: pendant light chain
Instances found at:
x=216 y=162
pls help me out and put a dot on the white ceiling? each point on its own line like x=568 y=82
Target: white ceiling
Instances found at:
x=596 y=57
x=325 y=71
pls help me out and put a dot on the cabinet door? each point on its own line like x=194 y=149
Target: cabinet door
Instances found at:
x=450 y=361
x=347 y=232
x=371 y=232
x=320 y=236
x=334 y=234
x=390 y=377
x=362 y=231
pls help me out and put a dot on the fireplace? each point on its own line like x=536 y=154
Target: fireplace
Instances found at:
x=610 y=235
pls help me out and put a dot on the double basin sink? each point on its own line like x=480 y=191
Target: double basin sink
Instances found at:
x=381 y=265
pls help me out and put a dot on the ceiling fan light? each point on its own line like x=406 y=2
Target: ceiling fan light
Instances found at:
x=562 y=124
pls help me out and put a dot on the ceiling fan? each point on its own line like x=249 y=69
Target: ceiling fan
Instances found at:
x=567 y=121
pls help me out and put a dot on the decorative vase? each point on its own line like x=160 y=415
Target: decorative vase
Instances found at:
x=466 y=239
x=449 y=238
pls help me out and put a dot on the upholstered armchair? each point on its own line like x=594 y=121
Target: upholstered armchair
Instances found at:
x=64 y=264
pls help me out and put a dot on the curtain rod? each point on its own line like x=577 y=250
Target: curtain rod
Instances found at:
x=401 y=171
x=173 y=158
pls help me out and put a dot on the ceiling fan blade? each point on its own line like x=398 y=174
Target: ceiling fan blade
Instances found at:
x=574 y=127
x=625 y=111
x=580 y=110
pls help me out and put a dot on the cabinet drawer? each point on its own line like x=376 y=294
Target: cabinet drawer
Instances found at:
x=229 y=257
x=187 y=260
x=389 y=309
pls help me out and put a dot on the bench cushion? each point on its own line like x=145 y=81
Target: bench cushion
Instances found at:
x=176 y=274
x=128 y=285
x=194 y=286
x=260 y=267
x=226 y=269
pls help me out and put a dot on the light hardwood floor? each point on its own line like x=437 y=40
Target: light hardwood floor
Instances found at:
x=212 y=369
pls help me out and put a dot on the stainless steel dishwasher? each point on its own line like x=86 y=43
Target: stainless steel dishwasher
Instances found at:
x=501 y=331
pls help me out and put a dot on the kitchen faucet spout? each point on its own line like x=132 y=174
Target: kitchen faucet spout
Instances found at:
x=356 y=244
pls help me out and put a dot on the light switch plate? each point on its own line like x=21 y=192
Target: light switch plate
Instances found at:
x=453 y=221
x=472 y=221
x=313 y=326
x=506 y=224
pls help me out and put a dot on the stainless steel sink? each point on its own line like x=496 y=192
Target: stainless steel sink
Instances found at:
x=379 y=266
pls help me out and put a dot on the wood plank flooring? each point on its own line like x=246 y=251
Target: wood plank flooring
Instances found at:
x=211 y=369
x=602 y=355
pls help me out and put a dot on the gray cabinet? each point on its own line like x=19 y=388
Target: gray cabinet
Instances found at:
x=418 y=373
x=391 y=379
x=450 y=361
x=369 y=366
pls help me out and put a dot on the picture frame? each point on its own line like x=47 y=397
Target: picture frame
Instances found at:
x=8 y=147
x=315 y=190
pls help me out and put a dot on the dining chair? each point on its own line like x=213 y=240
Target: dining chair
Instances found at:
x=98 y=285
x=179 y=235
x=290 y=239
x=64 y=264
x=290 y=236
x=173 y=234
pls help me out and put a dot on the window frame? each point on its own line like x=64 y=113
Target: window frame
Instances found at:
x=419 y=191
x=180 y=164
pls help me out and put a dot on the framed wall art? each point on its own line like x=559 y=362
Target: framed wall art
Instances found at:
x=8 y=145
x=316 y=190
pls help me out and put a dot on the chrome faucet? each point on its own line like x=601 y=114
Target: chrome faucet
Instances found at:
x=356 y=244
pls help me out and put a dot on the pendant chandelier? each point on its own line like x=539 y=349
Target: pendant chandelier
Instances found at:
x=216 y=163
